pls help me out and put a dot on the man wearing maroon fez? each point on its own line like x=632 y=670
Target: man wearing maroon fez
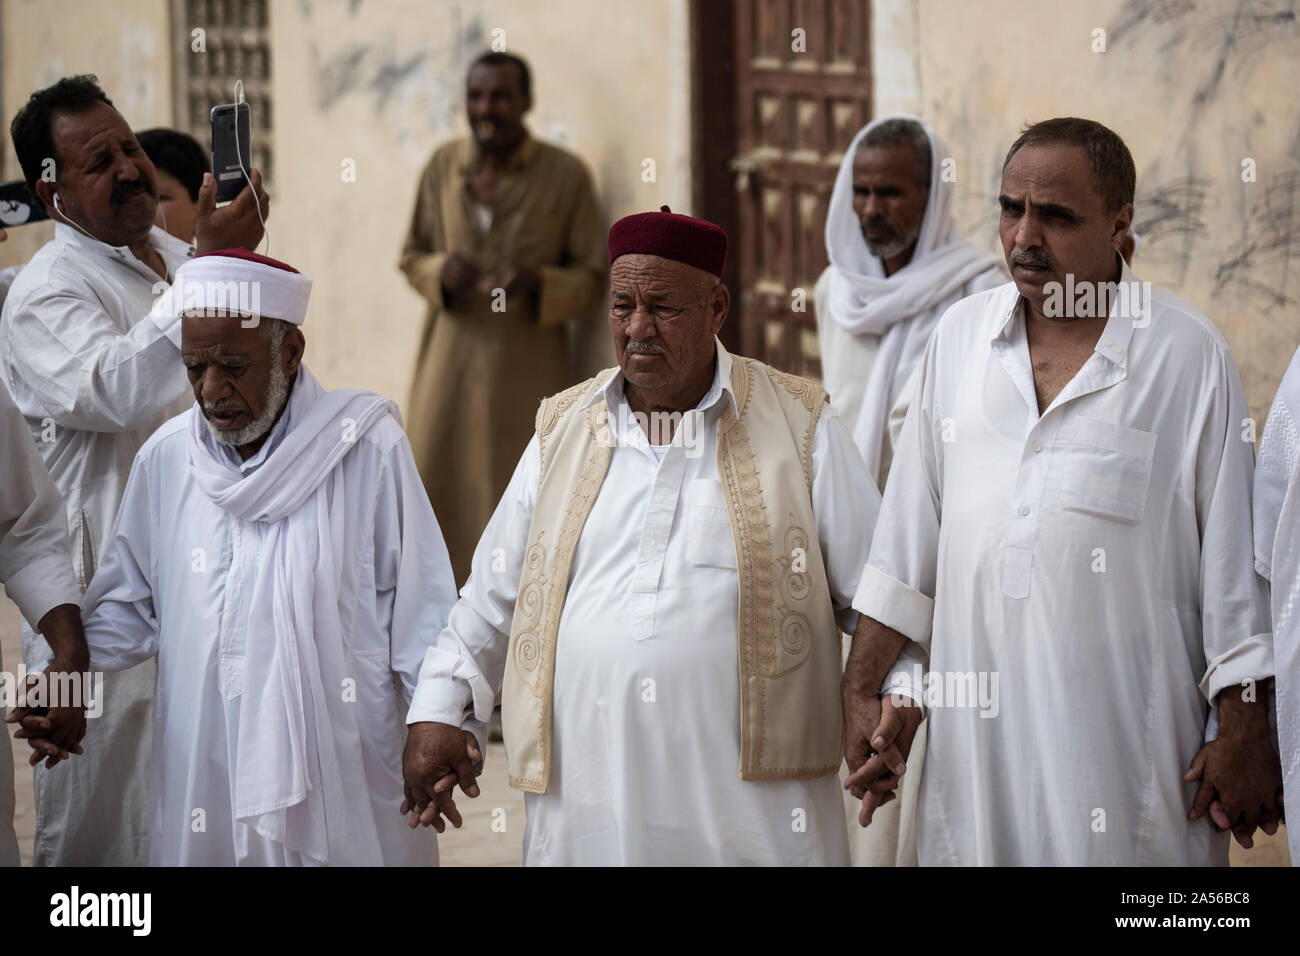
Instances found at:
x=658 y=599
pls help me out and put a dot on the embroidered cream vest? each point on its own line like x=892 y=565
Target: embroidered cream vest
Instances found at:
x=787 y=638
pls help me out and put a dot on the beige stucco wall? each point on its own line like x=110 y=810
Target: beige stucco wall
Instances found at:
x=124 y=43
x=383 y=83
x=1193 y=94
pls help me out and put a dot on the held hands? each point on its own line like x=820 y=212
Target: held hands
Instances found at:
x=235 y=225
x=437 y=758
x=878 y=737
x=53 y=733
x=1240 y=780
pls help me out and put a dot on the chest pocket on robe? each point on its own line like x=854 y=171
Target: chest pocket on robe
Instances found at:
x=1107 y=470
x=708 y=528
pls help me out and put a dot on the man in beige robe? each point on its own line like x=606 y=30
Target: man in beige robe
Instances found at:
x=507 y=245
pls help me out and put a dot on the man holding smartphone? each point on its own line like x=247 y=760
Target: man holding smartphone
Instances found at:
x=95 y=368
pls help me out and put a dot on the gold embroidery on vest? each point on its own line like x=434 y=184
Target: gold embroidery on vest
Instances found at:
x=553 y=408
x=757 y=645
x=800 y=388
x=812 y=397
x=795 y=632
x=537 y=663
x=530 y=603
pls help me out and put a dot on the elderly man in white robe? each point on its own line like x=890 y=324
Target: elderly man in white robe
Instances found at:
x=1277 y=559
x=1067 y=531
x=36 y=570
x=897 y=262
x=276 y=551
x=658 y=597
x=94 y=369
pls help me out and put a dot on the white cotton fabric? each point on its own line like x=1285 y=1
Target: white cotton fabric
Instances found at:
x=637 y=781
x=216 y=282
x=1097 y=559
x=94 y=366
x=1277 y=558
x=35 y=565
x=889 y=318
x=282 y=595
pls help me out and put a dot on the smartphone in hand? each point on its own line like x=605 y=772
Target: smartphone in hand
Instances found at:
x=230 y=147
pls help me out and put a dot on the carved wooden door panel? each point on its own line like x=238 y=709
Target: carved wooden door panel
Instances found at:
x=803 y=88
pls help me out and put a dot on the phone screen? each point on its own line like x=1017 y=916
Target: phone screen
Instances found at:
x=230 y=125
x=17 y=205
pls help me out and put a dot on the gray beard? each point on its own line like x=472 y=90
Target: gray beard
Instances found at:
x=277 y=393
x=887 y=250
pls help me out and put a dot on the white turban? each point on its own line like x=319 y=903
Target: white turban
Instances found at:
x=240 y=283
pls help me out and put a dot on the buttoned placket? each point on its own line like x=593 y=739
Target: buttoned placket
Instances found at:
x=1104 y=368
x=230 y=644
x=643 y=589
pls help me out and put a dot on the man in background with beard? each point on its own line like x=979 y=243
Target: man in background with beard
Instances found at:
x=94 y=367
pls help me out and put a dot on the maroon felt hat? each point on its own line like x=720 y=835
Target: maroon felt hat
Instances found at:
x=695 y=242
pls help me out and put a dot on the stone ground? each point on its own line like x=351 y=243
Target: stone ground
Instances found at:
x=477 y=843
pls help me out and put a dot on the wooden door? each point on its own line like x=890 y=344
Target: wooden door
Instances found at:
x=800 y=80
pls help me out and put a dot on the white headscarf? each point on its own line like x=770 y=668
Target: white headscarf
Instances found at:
x=862 y=298
x=865 y=301
x=294 y=751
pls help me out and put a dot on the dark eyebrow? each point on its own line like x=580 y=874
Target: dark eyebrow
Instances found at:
x=1056 y=209
x=1004 y=200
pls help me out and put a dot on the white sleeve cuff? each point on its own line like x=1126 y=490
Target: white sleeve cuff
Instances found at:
x=443 y=700
x=1251 y=660
x=907 y=677
x=895 y=605
x=42 y=585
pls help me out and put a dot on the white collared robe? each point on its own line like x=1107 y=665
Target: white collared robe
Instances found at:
x=646 y=720
x=95 y=368
x=176 y=580
x=1096 y=558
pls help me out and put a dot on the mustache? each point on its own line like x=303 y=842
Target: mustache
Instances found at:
x=125 y=190
x=646 y=347
x=223 y=405
x=877 y=223
x=1031 y=257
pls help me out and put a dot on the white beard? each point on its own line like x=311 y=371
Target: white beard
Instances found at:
x=277 y=393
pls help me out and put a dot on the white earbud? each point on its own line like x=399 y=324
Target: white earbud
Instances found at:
x=56 y=203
